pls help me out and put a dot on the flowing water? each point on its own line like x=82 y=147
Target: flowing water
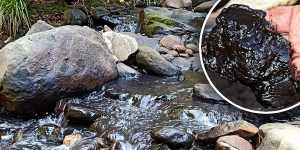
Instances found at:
x=130 y=110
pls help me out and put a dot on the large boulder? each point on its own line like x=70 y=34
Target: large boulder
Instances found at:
x=75 y=17
x=279 y=136
x=150 y=60
x=39 y=69
x=164 y=21
x=121 y=45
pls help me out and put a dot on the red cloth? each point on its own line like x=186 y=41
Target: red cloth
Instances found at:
x=286 y=19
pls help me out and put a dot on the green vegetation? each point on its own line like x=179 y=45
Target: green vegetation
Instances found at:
x=153 y=22
x=13 y=14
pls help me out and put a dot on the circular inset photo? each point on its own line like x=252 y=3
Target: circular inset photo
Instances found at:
x=250 y=52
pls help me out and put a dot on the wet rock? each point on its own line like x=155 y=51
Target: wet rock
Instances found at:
x=144 y=40
x=164 y=21
x=77 y=113
x=183 y=63
x=127 y=72
x=39 y=26
x=122 y=46
x=241 y=128
x=279 y=136
x=99 y=12
x=205 y=6
x=168 y=57
x=153 y=62
x=39 y=69
x=205 y=91
x=85 y=144
x=196 y=64
x=258 y=4
x=233 y=142
x=198 y=2
x=163 y=50
x=75 y=17
x=242 y=48
x=50 y=133
x=176 y=3
x=71 y=139
x=193 y=47
x=184 y=55
x=172 y=137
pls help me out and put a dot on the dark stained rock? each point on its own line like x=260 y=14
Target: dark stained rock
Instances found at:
x=38 y=70
x=242 y=48
x=77 y=113
x=75 y=17
x=172 y=137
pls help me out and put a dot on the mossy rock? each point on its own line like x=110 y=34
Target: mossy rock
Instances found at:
x=154 y=22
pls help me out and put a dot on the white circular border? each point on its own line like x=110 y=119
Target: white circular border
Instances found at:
x=211 y=83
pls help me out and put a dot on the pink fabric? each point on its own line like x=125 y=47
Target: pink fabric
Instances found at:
x=286 y=19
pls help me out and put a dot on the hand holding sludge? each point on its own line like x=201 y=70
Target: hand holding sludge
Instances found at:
x=286 y=19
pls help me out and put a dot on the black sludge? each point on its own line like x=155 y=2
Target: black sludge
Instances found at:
x=241 y=48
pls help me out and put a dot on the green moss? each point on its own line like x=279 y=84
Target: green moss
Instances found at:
x=152 y=18
x=153 y=22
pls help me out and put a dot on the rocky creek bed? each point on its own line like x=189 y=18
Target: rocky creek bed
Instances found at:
x=147 y=91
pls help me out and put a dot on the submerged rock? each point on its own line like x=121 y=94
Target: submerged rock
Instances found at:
x=50 y=133
x=242 y=128
x=205 y=91
x=75 y=17
x=242 y=48
x=81 y=114
x=233 y=142
x=279 y=136
x=173 y=137
x=40 y=26
x=150 y=60
x=85 y=144
x=127 y=72
x=39 y=69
